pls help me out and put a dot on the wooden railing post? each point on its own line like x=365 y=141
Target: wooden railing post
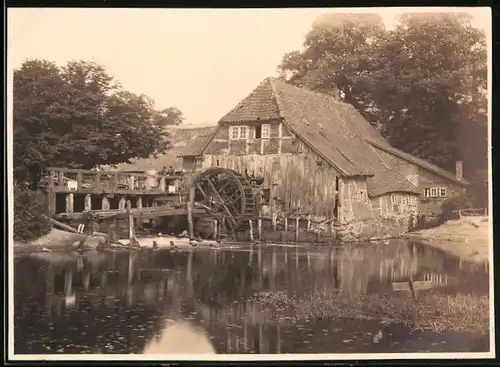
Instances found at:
x=97 y=181
x=105 y=203
x=70 y=203
x=88 y=203
x=163 y=184
x=122 y=203
x=60 y=178
x=114 y=181
x=79 y=179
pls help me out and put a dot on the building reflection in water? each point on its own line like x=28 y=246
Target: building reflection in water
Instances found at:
x=167 y=301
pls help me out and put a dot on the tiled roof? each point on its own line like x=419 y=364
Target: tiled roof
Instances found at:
x=181 y=139
x=333 y=129
x=419 y=162
x=338 y=132
x=195 y=146
x=256 y=106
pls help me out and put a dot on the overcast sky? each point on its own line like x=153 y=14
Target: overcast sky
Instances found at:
x=201 y=61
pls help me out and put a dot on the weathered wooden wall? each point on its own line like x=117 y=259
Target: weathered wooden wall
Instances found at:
x=297 y=177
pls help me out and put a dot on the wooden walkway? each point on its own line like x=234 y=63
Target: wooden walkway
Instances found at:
x=74 y=193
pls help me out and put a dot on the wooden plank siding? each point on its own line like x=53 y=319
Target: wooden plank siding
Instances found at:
x=297 y=177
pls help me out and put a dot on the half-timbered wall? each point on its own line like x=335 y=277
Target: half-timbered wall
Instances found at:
x=298 y=178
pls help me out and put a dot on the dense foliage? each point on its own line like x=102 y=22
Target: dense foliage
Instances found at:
x=422 y=83
x=29 y=210
x=78 y=116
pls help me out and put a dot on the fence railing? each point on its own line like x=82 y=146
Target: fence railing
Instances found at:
x=75 y=179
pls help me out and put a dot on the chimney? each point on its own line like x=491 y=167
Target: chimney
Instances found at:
x=459 y=170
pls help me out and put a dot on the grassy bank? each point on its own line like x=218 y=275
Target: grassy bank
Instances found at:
x=434 y=312
x=467 y=238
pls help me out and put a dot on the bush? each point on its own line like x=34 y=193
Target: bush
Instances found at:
x=29 y=208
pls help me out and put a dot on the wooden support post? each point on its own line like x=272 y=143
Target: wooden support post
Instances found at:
x=285 y=220
x=70 y=203
x=105 y=203
x=250 y=224
x=88 y=203
x=274 y=214
x=190 y=204
x=114 y=182
x=79 y=179
x=130 y=223
x=60 y=178
x=259 y=227
x=318 y=236
x=215 y=224
x=122 y=203
x=51 y=201
x=131 y=182
x=297 y=228
x=51 y=195
x=86 y=281
x=139 y=202
x=97 y=180
x=163 y=184
x=308 y=222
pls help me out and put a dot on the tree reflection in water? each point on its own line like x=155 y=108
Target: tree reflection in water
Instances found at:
x=147 y=301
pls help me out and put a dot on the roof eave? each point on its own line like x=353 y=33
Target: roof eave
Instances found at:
x=437 y=170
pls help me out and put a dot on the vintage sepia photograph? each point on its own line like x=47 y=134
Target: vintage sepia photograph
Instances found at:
x=249 y=184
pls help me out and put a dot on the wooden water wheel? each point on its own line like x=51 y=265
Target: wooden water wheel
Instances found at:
x=226 y=195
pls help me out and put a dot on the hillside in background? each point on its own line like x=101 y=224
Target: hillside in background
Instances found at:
x=179 y=137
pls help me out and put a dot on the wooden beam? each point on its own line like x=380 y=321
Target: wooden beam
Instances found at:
x=70 y=203
x=189 y=208
x=88 y=203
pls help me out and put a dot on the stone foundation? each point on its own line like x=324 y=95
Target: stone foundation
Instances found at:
x=372 y=228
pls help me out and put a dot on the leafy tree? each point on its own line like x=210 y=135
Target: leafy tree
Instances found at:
x=423 y=83
x=29 y=210
x=78 y=116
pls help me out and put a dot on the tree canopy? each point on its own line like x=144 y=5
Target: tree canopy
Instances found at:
x=423 y=83
x=78 y=116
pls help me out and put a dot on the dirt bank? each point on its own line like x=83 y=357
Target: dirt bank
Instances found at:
x=54 y=240
x=467 y=238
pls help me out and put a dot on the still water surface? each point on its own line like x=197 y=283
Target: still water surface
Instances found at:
x=203 y=300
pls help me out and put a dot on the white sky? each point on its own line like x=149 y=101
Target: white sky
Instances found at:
x=203 y=61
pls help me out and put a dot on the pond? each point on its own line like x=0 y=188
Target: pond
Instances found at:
x=251 y=299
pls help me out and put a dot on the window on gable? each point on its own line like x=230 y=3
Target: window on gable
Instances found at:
x=266 y=131
x=238 y=132
x=434 y=192
x=235 y=132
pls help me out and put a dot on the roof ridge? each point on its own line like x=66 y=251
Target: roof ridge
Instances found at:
x=289 y=126
x=311 y=91
x=275 y=97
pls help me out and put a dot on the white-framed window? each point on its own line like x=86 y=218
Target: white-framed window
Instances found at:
x=266 y=131
x=394 y=199
x=262 y=131
x=238 y=132
x=411 y=200
x=434 y=192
